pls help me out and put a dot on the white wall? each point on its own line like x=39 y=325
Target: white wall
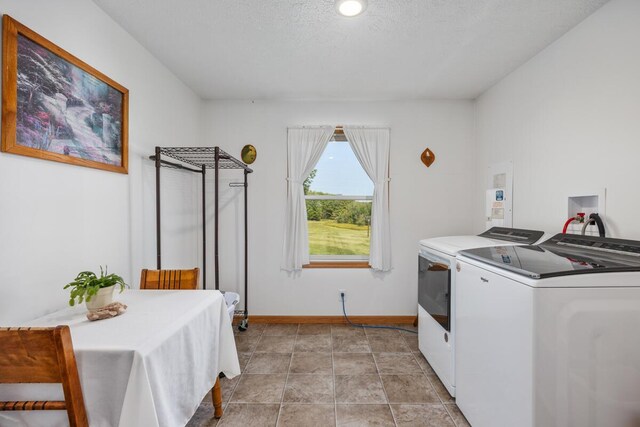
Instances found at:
x=58 y=219
x=424 y=202
x=570 y=121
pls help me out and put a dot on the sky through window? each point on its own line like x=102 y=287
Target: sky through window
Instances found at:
x=339 y=172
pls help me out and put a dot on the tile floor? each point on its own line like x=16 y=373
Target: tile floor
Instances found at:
x=330 y=375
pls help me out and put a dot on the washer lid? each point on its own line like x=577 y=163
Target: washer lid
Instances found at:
x=495 y=236
x=451 y=245
x=563 y=255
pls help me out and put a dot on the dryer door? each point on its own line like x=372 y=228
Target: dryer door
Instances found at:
x=434 y=287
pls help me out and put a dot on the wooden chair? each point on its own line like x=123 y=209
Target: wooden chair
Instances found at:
x=42 y=355
x=169 y=279
x=185 y=280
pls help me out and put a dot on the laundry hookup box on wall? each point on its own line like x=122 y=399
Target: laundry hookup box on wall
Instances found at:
x=586 y=202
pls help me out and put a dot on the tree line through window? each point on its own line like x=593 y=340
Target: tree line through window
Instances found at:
x=354 y=212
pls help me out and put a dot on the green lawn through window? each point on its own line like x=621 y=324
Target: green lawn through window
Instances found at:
x=328 y=237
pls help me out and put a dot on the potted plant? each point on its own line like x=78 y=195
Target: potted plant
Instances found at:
x=95 y=291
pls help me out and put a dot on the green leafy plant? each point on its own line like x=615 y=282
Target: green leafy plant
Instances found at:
x=87 y=284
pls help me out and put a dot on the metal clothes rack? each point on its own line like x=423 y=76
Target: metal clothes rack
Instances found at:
x=198 y=160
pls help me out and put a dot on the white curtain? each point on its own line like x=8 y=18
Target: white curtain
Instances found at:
x=371 y=147
x=305 y=146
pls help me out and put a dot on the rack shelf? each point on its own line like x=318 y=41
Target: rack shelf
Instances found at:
x=198 y=160
x=202 y=157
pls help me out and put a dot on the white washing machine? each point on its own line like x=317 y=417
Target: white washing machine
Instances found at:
x=436 y=292
x=549 y=335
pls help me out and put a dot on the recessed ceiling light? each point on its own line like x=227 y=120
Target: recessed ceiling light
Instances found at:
x=351 y=7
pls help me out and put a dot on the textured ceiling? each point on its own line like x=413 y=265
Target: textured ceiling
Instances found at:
x=397 y=49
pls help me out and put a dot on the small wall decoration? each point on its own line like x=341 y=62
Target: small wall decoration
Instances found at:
x=428 y=157
x=56 y=107
x=248 y=154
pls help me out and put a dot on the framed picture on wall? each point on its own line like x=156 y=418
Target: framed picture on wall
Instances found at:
x=56 y=107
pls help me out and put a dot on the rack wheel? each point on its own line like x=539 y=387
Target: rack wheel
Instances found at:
x=243 y=325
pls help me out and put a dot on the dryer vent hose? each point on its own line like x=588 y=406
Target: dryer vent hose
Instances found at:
x=594 y=218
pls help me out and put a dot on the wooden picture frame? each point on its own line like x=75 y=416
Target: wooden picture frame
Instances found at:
x=60 y=108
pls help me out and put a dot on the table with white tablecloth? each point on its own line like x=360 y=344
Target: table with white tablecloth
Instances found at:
x=149 y=367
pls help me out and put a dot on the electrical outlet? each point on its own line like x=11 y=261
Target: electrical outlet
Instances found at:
x=341 y=292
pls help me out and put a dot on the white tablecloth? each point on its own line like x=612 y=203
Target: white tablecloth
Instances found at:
x=151 y=366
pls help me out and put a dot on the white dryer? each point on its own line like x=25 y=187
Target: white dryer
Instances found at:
x=548 y=335
x=436 y=292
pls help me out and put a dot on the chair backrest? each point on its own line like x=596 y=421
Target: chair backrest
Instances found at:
x=42 y=355
x=169 y=279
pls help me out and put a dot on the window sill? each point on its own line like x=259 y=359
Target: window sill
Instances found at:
x=337 y=264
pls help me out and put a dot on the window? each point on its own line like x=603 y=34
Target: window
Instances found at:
x=338 y=196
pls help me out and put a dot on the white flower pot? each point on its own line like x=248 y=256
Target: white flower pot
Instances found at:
x=102 y=298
